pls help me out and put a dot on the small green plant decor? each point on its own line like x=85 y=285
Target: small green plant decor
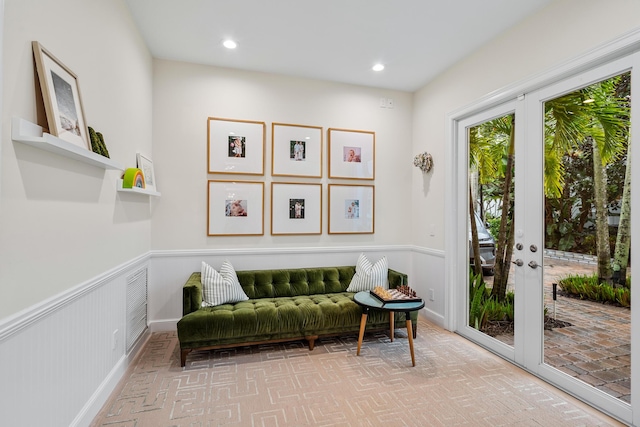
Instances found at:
x=97 y=143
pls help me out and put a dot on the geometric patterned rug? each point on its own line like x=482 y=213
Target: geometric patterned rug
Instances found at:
x=454 y=383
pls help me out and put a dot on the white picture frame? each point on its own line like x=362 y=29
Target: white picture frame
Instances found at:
x=235 y=146
x=235 y=208
x=145 y=164
x=351 y=209
x=296 y=150
x=296 y=208
x=351 y=154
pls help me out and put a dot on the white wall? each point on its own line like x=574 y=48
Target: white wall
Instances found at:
x=185 y=95
x=62 y=221
x=68 y=240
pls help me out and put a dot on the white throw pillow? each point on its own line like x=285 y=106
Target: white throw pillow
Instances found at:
x=368 y=275
x=220 y=288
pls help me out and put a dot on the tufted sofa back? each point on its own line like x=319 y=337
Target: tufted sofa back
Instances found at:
x=284 y=283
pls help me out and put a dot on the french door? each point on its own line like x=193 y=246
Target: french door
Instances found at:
x=581 y=347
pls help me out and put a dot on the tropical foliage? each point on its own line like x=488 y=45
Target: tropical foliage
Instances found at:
x=586 y=174
x=484 y=307
x=594 y=119
x=591 y=288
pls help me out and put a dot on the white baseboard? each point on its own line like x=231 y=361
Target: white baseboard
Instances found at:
x=169 y=325
x=103 y=392
x=433 y=317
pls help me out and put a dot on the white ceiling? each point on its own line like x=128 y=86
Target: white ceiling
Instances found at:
x=334 y=40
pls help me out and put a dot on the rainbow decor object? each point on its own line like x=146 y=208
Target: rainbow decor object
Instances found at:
x=133 y=177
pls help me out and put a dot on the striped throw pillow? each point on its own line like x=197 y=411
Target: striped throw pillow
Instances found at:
x=368 y=275
x=220 y=288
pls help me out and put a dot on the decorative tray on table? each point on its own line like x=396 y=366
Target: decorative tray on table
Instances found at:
x=399 y=294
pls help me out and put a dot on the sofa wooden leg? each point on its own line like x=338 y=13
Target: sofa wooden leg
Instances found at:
x=415 y=331
x=311 y=341
x=183 y=357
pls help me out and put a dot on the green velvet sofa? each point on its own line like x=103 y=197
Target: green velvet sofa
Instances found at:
x=283 y=305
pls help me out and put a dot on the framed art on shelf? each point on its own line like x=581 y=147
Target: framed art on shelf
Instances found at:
x=296 y=150
x=351 y=154
x=296 y=208
x=351 y=209
x=146 y=165
x=235 y=146
x=61 y=97
x=235 y=208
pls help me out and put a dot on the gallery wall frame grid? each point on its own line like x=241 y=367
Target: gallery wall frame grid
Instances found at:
x=61 y=97
x=235 y=208
x=296 y=150
x=351 y=209
x=235 y=146
x=351 y=153
x=296 y=208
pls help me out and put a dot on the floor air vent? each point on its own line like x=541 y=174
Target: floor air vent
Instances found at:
x=136 y=306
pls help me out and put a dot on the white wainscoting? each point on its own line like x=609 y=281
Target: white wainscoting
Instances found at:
x=427 y=278
x=57 y=359
x=60 y=360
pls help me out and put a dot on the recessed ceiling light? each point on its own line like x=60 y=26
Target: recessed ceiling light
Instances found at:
x=378 y=67
x=230 y=44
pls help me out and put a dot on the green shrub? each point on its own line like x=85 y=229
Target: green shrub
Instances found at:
x=483 y=307
x=589 y=288
x=477 y=297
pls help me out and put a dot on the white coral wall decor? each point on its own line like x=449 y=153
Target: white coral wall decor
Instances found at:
x=424 y=161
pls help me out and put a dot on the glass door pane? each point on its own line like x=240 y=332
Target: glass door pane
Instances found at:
x=490 y=226
x=587 y=240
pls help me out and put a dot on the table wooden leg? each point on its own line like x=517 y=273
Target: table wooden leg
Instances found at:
x=363 y=322
x=391 y=321
x=410 y=334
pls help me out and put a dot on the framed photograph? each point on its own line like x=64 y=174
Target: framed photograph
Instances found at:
x=352 y=154
x=235 y=146
x=296 y=208
x=296 y=150
x=146 y=165
x=351 y=209
x=235 y=208
x=61 y=96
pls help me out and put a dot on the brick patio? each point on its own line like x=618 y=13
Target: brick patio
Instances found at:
x=596 y=348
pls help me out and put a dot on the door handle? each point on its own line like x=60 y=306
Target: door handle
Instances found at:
x=518 y=262
x=533 y=264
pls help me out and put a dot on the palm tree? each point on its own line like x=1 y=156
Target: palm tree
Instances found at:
x=623 y=239
x=594 y=113
x=491 y=147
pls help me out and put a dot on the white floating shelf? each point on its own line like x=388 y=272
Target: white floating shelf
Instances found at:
x=136 y=190
x=31 y=134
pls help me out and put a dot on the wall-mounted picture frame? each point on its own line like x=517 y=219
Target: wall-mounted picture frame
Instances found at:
x=145 y=164
x=235 y=208
x=296 y=208
x=296 y=150
x=352 y=154
x=235 y=146
x=61 y=97
x=351 y=209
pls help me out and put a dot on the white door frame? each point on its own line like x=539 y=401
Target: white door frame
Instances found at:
x=456 y=202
